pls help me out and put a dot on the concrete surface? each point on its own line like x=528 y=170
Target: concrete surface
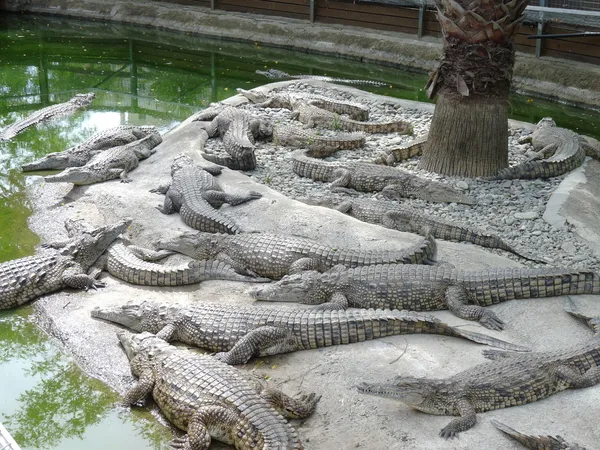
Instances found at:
x=344 y=418
x=554 y=78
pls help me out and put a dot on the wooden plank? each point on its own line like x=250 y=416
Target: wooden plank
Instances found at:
x=571 y=56
x=400 y=22
x=279 y=8
x=384 y=10
x=204 y=3
x=565 y=46
x=377 y=26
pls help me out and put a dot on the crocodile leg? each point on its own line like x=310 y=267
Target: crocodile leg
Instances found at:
x=264 y=341
x=239 y=268
x=342 y=178
x=457 y=301
x=292 y=408
x=218 y=198
x=75 y=279
x=162 y=189
x=576 y=380
x=173 y=198
x=142 y=388
x=217 y=418
x=302 y=265
x=149 y=255
x=338 y=302
x=466 y=420
x=345 y=207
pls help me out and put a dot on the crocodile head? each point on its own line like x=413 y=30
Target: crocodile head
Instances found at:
x=180 y=161
x=76 y=175
x=142 y=349
x=57 y=160
x=428 y=395
x=195 y=244
x=302 y=287
x=137 y=315
x=429 y=191
x=83 y=99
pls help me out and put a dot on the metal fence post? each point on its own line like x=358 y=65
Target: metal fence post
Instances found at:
x=312 y=11
x=540 y=31
x=421 y=18
x=212 y=4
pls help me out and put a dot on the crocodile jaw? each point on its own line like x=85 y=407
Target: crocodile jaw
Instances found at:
x=75 y=175
x=120 y=315
x=411 y=396
x=50 y=161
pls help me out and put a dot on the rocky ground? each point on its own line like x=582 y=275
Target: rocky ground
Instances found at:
x=513 y=209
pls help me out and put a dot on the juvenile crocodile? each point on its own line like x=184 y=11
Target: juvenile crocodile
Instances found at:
x=293 y=136
x=210 y=399
x=238 y=132
x=132 y=264
x=275 y=255
x=511 y=379
x=239 y=333
x=536 y=442
x=367 y=177
x=82 y=153
x=113 y=163
x=393 y=156
x=47 y=113
x=26 y=279
x=428 y=288
x=396 y=217
x=278 y=74
x=559 y=151
x=195 y=193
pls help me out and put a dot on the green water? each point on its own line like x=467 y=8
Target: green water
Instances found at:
x=139 y=76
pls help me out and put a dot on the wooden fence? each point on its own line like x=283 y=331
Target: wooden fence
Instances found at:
x=418 y=21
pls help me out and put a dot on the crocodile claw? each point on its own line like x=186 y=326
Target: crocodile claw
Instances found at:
x=491 y=321
x=96 y=284
x=448 y=433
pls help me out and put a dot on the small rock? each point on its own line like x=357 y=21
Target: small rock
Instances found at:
x=569 y=248
x=529 y=215
x=462 y=185
x=578 y=258
x=507 y=184
x=537 y=233
x=509 y=220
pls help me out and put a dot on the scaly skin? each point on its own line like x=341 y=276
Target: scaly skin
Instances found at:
x=396 y=217
x=207 y=398
x=536 y=442
x=196 y=194
x=26 y=279
x=511 y=379
x=367 y=177
x=131 y=264
x=82 y=153
x=275 y=255
x=393 y=156
x=559 y=151
x=293 y=136
x=48 y=113
x=278 y=74
x=425 y=288
x=240 y=333
x=113 y=163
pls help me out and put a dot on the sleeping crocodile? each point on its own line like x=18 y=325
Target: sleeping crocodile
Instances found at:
x=396 y=217
x=559 y=151
x=511 y=379
x=238 y=333
x=391 y=157
x=47 y=113
x=294 y=136
x=113 y=163
x=275 y=255
x=195 y=193
x=367 y=177
x=428 y=288
x=209 y=399
x=536 y=442
x=275 y=74
x=82 y=153
x=238 y=132
x=26 y=279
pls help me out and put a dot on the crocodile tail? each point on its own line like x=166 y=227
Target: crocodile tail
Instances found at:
x=541 y=169
x=487 y=340
x=218 y=270
x=532 y=442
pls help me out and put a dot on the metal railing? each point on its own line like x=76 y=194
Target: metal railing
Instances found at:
x=6 y=440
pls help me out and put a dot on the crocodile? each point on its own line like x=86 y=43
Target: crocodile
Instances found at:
x=47 y=113
x=366 y=177
x=82 y=153
x=133 y=265
x=239 y=333
x=276 y=255
x=113 y=163
x=397 y=217
x=391 y=157
x=275 y=74
x=238 y=132
x=209 y=399
x=26 y=279
x=196 y=194
x=536 y=442
x=294 y=136
x=558 y=151
x=428 y=288
x=510 y=379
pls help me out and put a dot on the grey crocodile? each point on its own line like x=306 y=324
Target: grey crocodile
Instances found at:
x=275 y=255
x=367 y=177
x=113 y=163
x=210 y=399
x=196 y=194
x=536 y=442
x=392 y=156
x=26 y=279
x=427 y=288
x=239 y=333
x=511 y=379
x=293 y=136
x=82 y=153
x=50 y=112
x=238 y=131
x=275 y=74
x=134 y=265
x=397 y=217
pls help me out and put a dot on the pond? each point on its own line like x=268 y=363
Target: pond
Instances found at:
x=140 y=77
